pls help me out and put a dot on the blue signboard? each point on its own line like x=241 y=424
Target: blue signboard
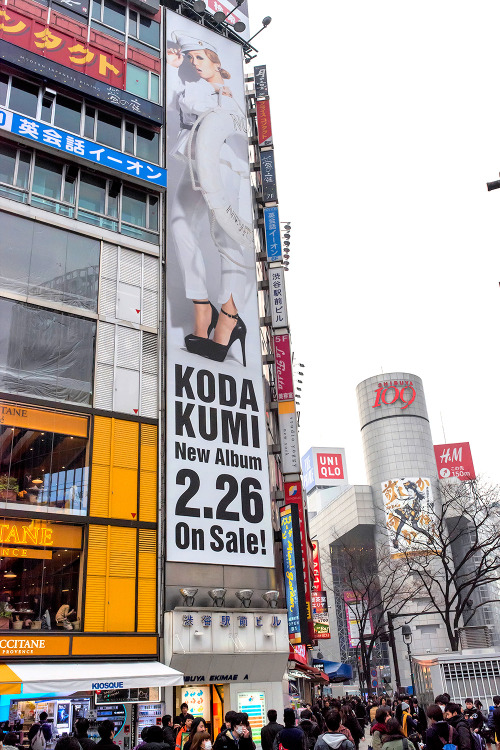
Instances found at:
x=268 y=177
x=272 y=229
x=69 y=143
x=308 y=471
x=291 y=588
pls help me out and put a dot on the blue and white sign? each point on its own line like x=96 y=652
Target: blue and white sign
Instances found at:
x=279 y=314
x=68 y=143
x=308 y=471
x=272 y=230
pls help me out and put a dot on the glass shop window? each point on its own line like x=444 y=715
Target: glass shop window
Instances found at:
x=23 y=97
x=40 y=586
x=43 y=471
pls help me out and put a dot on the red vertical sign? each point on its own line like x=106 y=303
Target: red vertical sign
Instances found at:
x=283 y=365
x=264 y=123
x=317 y=583
x=454 y=460
x=293 y=494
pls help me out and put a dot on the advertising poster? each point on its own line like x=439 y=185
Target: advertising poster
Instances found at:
x=253 y=703
x=409 y=509
x=320 y=615
x=455 y=460
x=294 y=576
x=218 y=500
x=198 y=700
x=352 y=614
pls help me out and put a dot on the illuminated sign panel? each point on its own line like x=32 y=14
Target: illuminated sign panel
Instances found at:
x=455 y=460
x=294 y=576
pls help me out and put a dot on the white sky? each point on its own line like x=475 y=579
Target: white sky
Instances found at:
x=386 y=119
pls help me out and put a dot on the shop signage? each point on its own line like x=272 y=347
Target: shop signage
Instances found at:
x=455 y=460
x=294 y=575
x=283 y=367
x=260 y=77
x=198 y=700
x=79 y=82
x=293 y=494
x=317 y=584
x=324 y=467
x=289 y=437
x=268 y=177
x=279 y=313
x=17 y=415
x=25 y=552
x=393 y=392
x=218 y=497
x=126 y=695
x=40 y=534
x=254 y=705
x=53 y=44
x=68 y=143
x=272 y=232
x=353 y=609
x=320 y=615
x=264 y=123
x=237 y=13
x=34 y=646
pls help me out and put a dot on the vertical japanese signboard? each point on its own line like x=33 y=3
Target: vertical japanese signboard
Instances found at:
x=264 y=123
x=293 y=494
x=320 y=615
x=455 y=460
x=317 y=583
x=294 y=577
x=272 y=231
x=283 y=366
x=218 y=501
x=260 y=77
x=268 y=177
x=289 y=437
x=277 y=295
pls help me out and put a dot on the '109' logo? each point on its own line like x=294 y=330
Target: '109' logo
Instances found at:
x=399 y=387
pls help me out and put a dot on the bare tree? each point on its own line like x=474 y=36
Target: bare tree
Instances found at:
x=458 y=553
x=372 y=584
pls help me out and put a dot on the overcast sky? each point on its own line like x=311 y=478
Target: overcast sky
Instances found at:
x=386 y=118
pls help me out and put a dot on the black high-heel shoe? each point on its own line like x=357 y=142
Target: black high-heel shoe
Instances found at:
x=191 y=339
x=218 y=352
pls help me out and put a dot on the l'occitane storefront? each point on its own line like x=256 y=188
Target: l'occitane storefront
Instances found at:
x=78 y=538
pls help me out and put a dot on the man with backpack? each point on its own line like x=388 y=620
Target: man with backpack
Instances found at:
x=454 y=717
x=270 y=730
x=310 y=728
x=40 y=732
x=439 y=732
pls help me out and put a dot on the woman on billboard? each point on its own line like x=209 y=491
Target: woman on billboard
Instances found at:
x=209 y=188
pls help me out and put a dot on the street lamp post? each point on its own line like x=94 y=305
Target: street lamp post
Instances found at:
x=407 y=637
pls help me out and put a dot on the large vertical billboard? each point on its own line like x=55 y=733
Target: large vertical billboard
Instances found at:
x=218 y=501
x=409 y=513
x=298 y=631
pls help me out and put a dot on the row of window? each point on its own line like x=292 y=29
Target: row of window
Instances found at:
x=66 y=189
x=79 y=117
x=126 y=24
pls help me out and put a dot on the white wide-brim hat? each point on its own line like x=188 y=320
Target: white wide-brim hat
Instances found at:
x=188 y=43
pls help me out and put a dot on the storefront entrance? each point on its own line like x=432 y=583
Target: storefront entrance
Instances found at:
x=206 y=701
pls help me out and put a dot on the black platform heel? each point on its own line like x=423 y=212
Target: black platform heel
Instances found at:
x=219 y=351
x=191 y=339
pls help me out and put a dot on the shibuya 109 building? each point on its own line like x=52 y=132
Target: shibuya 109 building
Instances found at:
x=381 y=519
x=148 y=431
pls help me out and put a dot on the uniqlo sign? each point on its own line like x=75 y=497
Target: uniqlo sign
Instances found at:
x=329 y=466
x=454 y=460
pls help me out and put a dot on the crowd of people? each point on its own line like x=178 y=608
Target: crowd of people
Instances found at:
x=330 y=724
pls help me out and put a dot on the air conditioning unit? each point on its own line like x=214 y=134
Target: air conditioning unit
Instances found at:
x=475 y=636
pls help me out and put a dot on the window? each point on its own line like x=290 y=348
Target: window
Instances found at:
x=147 y=144
x=144 y=32
x=23 y=97
x=45 y=353
x=109 y=13
x=44 y=470
x=109 y=130
x=69 y=273
x=103 y=201
x=4 y=82
x=68 y=114
x=143 y=83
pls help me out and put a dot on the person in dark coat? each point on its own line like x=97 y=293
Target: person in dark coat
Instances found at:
x=350 y=722
x=360 y=712
x=81 y=729
x=454 y=717
x=310 y=727
x=270 y=730
x=168 y=730
x=42 y=724
x=291 y=737
x=438 y=732
x=154 y=739
x=418 y=715
x=106 y=731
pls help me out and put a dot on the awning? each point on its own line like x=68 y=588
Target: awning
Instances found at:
x=75 y=677
x=308 y=672
x=336 y=670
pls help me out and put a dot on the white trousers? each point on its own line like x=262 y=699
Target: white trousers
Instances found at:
x=188 y=216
